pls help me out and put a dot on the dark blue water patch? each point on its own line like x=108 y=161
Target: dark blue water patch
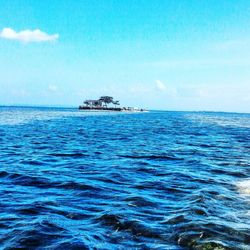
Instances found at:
x=157 y=180
x=153 y=157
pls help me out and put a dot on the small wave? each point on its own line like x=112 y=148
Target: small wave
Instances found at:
x=135 y=227
x=26 y=180
x=32 y=162
x=76 y=245
x=75 y=185
x=199 y=235
x=175 y=220
x=3 y=174
x=37 y=208
x=140 y=202
x=42 y=182
x=73 y=155
x=229 y=172
x=39 y=234
x=153 y=157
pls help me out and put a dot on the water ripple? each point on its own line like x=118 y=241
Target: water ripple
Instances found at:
x=157 y=180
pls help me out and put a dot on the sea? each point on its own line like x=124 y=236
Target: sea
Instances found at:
x=72 y=179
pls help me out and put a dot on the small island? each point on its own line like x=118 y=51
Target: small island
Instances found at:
x=102 y=104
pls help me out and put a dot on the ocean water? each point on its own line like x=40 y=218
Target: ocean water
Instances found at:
x=157 y=180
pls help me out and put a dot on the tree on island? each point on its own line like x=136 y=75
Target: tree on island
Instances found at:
x=106 y=100
x=87 y=103
x=103 y=101
x=116 y=103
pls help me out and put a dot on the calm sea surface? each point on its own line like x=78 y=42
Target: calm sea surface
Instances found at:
x=157 y=180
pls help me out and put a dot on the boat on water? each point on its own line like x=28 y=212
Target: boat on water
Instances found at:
x=102 y=105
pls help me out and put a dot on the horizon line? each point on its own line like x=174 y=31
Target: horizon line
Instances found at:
x=76 y=107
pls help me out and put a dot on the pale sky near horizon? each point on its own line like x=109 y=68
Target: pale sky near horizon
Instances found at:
x=170 y=55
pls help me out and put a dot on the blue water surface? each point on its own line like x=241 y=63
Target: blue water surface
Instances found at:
x=90 y=180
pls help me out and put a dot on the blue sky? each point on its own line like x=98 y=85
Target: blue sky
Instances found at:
x=171 y=55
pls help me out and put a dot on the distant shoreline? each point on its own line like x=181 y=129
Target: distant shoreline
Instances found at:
x=112 y=109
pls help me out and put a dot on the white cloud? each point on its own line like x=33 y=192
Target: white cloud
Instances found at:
x=168 y=90
x=27 y=36
x=160 y=85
